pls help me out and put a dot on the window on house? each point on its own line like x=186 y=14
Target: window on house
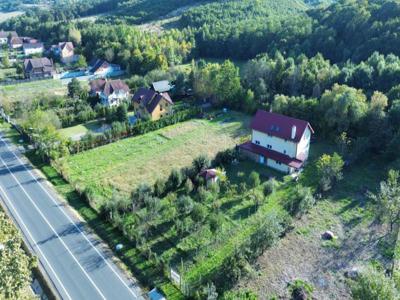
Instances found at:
x=278 y=163
x=284 y=151
x=269 y=146
x=258 y=142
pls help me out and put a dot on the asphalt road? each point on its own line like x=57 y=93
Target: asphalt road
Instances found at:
x=72 y=258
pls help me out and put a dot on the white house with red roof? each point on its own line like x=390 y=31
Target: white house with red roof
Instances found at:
x=279 y=141
x=110 y=92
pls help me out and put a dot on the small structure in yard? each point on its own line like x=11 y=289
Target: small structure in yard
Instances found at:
x=154 y=294
x=38 y=68
x=278 y=141
x=110 y=92
x=150 y=105
x=210 y=176
x=162 y=86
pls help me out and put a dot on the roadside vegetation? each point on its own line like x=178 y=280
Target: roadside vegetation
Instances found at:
x=15 y=264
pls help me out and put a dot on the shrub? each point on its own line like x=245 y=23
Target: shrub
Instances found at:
x=200 y=163
x=174 y=180
x=300 y=201
x=270 y=186
x=159 y=187
x=240 y=294
x=215 y=221
x=300 y=289
x=188 y=186
x=329 y=170
x=254 y=179
x=140 y=194
x=372 y=284
x=185 y=205
x=199 y=213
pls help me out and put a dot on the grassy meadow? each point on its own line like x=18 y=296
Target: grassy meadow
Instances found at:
x=29 y=90
x=130 y=162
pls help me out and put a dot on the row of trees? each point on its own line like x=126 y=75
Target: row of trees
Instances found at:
x=296 y=76
x=15 y=264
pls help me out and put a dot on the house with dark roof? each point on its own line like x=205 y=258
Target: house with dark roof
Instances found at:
x=278 y=141
x=5 y=36
x=151 y=105
x=110 y=92
x=38 y=68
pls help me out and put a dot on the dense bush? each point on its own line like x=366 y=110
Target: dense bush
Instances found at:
x=373 y=284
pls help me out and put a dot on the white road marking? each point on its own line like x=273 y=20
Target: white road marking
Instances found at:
x=33 y=240
x=52 y=228
x=68 y=217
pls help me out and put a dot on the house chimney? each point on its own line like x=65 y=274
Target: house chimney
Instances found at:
x=294 y=130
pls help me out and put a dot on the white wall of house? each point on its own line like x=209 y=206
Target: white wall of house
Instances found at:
x=278 y=166
x=114 y=99
x=33 y=51
x=279 y=145
x=303 y=147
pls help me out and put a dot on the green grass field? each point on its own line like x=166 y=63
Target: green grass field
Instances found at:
x=30 y=90
x=143 y=159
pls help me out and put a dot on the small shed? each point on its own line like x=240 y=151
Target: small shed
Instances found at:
x=210 y=175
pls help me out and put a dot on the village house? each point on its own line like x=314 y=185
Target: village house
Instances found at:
x=33 y=48
x=38 y=68
x=15 y=42
x=5 y=36
x=110 y=92
x=102 y=68
x=278 y=141
x=65 y=50
x=150 y=105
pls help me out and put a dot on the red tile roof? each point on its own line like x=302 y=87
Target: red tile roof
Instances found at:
x=267 y=153
x=279 y=125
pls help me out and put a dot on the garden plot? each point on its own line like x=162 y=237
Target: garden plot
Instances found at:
x=143 y=159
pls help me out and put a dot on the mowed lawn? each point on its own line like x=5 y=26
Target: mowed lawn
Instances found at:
x=127 y=163
x=33 y=89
